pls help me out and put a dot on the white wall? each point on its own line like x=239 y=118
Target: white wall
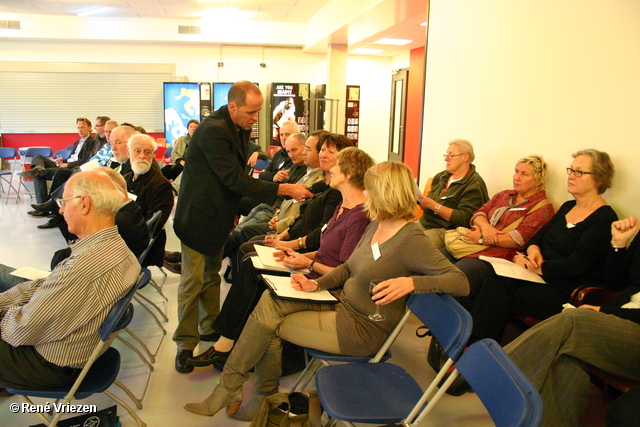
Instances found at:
x=535 y=76
x=199 y=63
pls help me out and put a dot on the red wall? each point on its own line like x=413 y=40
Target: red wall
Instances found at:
x=57 y=141
x=413 y=119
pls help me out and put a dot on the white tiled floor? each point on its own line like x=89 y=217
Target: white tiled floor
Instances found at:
x=21 y=244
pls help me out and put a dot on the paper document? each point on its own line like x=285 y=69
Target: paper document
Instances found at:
x=30 y=273
x=506 y=268
x=89 y=166
x=268 y=262
x=281 y=286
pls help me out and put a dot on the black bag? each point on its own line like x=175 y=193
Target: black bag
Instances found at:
x=437 y=358
x=103 y=418
x=289 y=410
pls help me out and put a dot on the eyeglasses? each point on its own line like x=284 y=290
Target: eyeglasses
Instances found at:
x=99 y=126
x=307 y=148
x=577 y=173
x=62 y=202
x=451 y=156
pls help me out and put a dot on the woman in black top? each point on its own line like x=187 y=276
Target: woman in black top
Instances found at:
x=556 y=354
x=568 y=251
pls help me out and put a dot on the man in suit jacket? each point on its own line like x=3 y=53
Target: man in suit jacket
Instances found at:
x=213 y=181
x=43 y=168
x=152 y=190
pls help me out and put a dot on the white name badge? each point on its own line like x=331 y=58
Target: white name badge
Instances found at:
x=376 y=251
x=518 y=209
x=324 y=227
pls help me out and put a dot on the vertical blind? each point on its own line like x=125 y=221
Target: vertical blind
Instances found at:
x=47 y=98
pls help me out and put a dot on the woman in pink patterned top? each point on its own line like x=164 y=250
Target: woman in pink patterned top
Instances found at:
x=527 y=202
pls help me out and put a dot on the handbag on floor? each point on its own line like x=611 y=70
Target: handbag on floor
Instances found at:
x=103 y=418
x=437 y=358
x=289 y=410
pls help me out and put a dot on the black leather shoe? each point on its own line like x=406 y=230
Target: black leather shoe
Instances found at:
x=34 y=172
x=174 y=267
x=209 y=357
x=181 y=361
x=212 y=337
x=52 y=223
x=48 y=206
x=39 y=213
x=172 y=256
x=220 y=360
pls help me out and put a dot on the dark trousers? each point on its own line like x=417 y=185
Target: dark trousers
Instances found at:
x=499 y=297
x=625 y=411
x=23 y=367
x=242 y=298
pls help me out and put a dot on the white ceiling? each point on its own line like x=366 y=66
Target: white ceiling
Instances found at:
x=274 y=11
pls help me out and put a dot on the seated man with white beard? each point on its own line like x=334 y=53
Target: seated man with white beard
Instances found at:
x=151 y=190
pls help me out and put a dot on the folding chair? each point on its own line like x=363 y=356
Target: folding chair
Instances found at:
x=166 y=159
x=345 y=391
x=64 y=154
x=7 y=153
x=145 y=303
x=510 y=398
x=30 y=153
x=320 y=358
x=103 y=365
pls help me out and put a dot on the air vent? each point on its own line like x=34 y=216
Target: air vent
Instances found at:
x=9 y=25
x=189 y=29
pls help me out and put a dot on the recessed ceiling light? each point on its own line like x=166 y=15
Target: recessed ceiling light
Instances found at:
x=366 y=50
x=94 y=11
x=397 y=42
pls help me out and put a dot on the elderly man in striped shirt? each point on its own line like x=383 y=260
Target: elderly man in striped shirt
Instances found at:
x=50 y=326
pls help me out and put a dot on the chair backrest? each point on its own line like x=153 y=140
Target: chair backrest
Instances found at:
x=447 y=320
x=273 y=149
x=8 y=152
x=261 y=164
x=113 y=321
x=507 y=394
x=69 y=147
x=160 y=152
x=34 y=151
x=64 y=154
x=152 y=225
x=168 y=151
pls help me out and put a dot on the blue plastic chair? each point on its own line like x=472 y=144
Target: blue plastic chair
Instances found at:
x=29 y=154
x=64 y=154
x=510 y=398
x=7 y=153
x=321 y=358
x=103 y=366
x=261 y=164
x=345 y=390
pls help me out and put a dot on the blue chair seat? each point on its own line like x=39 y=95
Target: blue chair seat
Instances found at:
x=401 y=392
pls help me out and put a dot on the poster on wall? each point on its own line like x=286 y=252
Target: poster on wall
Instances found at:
x=352 y=114
x=287 y=103
x=181 y=104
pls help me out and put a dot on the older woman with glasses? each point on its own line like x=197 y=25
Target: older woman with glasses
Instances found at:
x=456 y=193
x=568 y=251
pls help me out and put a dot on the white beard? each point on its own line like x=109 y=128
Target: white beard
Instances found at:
x=140 y=167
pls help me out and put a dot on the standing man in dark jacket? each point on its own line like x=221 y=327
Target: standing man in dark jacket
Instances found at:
x=212 y=184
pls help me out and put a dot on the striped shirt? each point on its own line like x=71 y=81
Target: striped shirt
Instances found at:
x=61 y=315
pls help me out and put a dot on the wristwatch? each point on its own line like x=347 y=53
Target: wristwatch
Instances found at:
x=481 y=240
x=311 y=265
